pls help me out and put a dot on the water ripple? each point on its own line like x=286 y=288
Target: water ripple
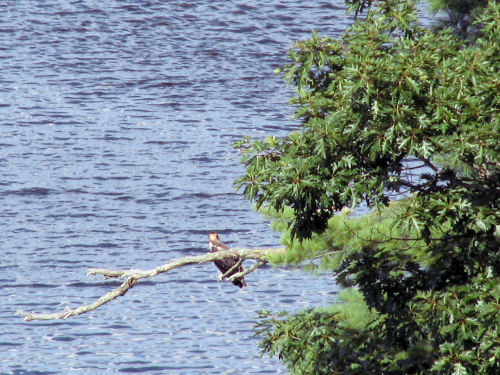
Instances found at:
x=117 y=121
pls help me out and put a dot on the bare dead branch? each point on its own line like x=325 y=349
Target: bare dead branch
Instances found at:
x=133 y=276
x=68 y=312
x=240 y=275
x=233 y=268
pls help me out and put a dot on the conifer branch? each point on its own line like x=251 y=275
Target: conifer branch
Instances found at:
x=132 y=277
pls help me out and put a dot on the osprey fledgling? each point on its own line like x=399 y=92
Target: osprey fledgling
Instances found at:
x=224 y=265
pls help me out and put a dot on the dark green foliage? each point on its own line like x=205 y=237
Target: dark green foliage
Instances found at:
x=371 y=102
x=466 y=320
x=422 y=307
x=464 y=7
x=460 y=13
x=391 y=111
x=287 y=333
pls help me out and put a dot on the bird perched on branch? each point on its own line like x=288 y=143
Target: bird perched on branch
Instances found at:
x=224 y=265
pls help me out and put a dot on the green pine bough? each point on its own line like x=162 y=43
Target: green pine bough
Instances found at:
x=406 y=120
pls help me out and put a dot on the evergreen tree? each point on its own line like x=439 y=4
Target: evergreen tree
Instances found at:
x=405 y=120
x=461 y=13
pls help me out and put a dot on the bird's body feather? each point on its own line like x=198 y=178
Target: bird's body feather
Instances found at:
x=225 y=264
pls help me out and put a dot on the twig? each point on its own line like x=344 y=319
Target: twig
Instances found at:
x=67 y=312
x=235 y=267
x=429 y=164
x=240 y=275
x=133 y=276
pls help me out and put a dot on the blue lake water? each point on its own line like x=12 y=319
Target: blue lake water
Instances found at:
x=117 y=120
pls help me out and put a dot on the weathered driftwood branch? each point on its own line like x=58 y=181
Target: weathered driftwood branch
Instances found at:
x=240 y=275
x=233 y=268
x=132 y=277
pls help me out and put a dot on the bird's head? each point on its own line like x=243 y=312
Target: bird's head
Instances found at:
x=212 y=237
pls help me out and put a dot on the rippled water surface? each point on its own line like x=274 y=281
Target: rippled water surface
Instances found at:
x=117 y=120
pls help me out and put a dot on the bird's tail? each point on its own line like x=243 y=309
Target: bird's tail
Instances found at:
x=241 y=283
